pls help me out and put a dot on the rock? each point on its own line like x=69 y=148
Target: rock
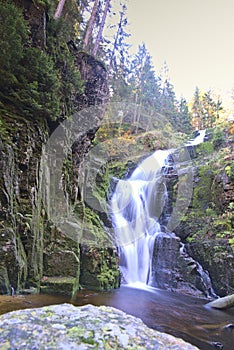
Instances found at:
x=215 y=257
x=88 y=327
x=223 y=303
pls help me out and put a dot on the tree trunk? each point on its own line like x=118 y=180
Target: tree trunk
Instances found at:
x=99 y=36
x=223 y=303
x=90 y=25
x=59 y=9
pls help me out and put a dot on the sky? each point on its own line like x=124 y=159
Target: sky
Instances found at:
x=194 y=37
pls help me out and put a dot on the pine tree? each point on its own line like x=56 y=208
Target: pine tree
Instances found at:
x=197 y=111
x=205 y=110
x=211 y=110
x=184 y=117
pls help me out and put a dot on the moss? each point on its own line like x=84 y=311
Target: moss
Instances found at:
x=202 y=195
x=99 y=268
x=94 y=233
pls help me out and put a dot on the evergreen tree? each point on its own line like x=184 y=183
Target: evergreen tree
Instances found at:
x=168 y=101
x=197 y=110
x=211 y=110
x=184 y=118
x=145 y=90
x=13 y=38
x=205 y=110
x=28 y=79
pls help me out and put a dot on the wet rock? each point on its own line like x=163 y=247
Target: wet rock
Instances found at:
x=217 y=345
x=217 y=258
x=88 y=327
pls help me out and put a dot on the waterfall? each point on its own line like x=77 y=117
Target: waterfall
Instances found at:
x=148 y=255
x=137 y=204
x=200 y=135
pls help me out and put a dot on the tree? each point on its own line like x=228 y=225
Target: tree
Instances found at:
x=33 y=92
x=183 y=117
x=59 y=9
x=211 y=110
x=100 y=32
x=197 y=110
x=205 y=110
x=90 y=25
x=13 y=38
x=117 y=54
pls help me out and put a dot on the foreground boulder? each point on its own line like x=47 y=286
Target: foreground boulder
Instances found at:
x=88 y=327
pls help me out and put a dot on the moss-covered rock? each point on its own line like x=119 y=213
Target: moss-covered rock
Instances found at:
x=217 y=257
x=208 y=225
x=99 y=268
x=88 y=327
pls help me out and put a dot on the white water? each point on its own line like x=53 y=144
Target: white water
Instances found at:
x=198 y=139
x=137 y=205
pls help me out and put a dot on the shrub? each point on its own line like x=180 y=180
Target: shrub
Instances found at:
x=218 y=138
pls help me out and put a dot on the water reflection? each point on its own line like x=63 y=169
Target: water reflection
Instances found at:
x=182 y=316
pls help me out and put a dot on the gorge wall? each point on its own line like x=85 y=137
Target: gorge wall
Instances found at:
x=34 y=253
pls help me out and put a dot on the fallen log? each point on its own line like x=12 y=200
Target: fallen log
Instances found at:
x=222 y=303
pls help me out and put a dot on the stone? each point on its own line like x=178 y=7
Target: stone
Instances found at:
x=88 y=327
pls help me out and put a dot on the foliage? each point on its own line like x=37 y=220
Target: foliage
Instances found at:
x=230 y=171
x=205 y=110
x=13 y=38
x=29 y=80
x=218 y=138
x=205 y=148
x=37 y=92
x=70 y=80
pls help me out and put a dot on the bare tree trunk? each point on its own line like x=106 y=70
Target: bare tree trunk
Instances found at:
x=116 y=39
x=59 y=9
x=90 y=25
x=99 y=36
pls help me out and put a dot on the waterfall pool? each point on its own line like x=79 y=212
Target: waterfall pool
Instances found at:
x=182 y=316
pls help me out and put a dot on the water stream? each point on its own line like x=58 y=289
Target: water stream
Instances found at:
x=137 y=205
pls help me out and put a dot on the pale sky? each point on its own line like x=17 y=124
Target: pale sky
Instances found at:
x=195 y=37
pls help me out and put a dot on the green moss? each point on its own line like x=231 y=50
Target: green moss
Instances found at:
x=202 y=195
x=230 y=171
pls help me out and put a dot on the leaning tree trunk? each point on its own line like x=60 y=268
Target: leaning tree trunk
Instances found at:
x=90 y=25
x=99 y=36
x=59 y=9
x=223 y=303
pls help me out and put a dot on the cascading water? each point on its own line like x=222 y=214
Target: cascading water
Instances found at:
x=198 y=139
x=136 y=206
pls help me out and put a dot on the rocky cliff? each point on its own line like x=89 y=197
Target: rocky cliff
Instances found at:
x=34 y=253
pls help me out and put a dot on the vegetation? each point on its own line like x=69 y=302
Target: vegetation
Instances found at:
x=30 y=91
x=211 y=213
x=206 y=111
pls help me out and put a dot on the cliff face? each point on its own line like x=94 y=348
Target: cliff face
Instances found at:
x=21 y=211
x=207 y=227
x=33 y=251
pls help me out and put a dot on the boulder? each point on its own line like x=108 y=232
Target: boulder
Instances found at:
x=88 y=327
